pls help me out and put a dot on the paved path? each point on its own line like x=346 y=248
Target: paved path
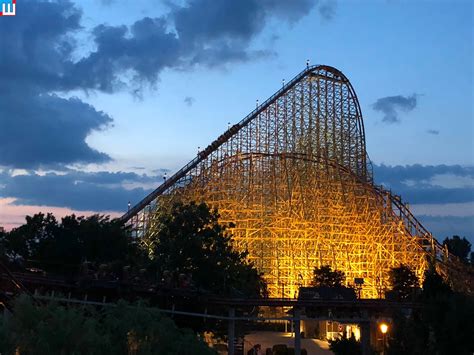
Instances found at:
x=268 y=339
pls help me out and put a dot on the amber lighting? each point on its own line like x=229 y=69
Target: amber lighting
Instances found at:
x=295 y=178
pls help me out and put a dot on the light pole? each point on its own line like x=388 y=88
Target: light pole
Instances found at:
x=384 y=330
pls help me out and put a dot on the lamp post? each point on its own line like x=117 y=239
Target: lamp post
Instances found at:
x=384 y=330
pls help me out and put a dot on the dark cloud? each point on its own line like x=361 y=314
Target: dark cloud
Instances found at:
x=200 y=32
x=189 y=100
x=413 y=183
x=435 y=194
x=391 y=106
x=40 y=59
x=434 y=132
x=217 y=32
x=327 y=9
x=447 y=226
x=209 y=20
x=399 y=173
x=39 y=128
x=48 y=131
x=100 y=191
x=144 y=49
x=37 y=48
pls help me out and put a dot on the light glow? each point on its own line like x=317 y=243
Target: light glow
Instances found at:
x=295 y=180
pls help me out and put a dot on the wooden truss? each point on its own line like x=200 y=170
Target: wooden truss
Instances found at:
x=295 y=180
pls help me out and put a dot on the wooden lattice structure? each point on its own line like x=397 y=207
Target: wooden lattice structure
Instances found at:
x=295 y=179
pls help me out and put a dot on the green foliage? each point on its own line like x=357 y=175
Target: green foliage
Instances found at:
x=403 y=281
x=458 y=246
x=325 y=276
x=191 y=242
x=52 y=329
x=344 y=346
x=57 y=329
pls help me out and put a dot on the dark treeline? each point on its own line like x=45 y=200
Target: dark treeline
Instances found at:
x=443 y=325
x=190 y=247
x=190 y=250
x=55 y=246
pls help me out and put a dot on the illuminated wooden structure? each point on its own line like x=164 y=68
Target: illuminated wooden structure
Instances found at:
x=295 y=179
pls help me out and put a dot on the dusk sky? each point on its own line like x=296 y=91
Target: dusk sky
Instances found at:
x=98 y=99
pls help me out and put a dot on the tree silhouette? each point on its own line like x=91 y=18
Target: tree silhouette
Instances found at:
x=443 y=325
x=403 y=281
x=345 y=346
x=190 y=242
x=458 y=246
x=61 y=246
x=325 y=276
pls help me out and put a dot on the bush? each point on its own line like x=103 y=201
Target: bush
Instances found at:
x=58 y=329
x=344 y=346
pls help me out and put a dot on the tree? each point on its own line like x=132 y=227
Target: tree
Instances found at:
x=23 y=242
x=403 y=281
x=325 y=276
x=191 y=242
x=459 y=247
x=61 y=247
x=124 y=329
x=344 y=346
x=444 y=324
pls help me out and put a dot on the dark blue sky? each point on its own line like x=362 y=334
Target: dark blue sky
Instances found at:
x=99 y=98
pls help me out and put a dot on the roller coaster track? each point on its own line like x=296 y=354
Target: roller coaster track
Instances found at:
x=218 y=142
x=336 y=152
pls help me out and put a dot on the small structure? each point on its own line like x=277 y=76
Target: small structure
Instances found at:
x=324 y=326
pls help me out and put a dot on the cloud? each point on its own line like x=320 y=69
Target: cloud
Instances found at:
x=48 y=131
x=443 y=227
x=391 y=106
x=38 y=127
x=37 y=47
x=398 y=174
x=144 y=49
x=327 y=9
x=210 y=20
x=41 y=63
x=12 y=216
x=189 y=101
x=98 y=191
x=440 y=196
x=436 y=194
x=434 y=132
x=200 y=32
x=418 y=184
x=219 y=32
